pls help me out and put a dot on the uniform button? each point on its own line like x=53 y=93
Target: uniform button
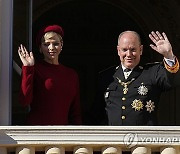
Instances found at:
x=123 y=117
x=123 y=107
x=123 y=98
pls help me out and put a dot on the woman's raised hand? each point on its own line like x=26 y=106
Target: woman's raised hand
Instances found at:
x=26 y=58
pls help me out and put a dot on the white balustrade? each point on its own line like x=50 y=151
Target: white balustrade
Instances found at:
x=141 y=150
x=25 y=150
x=83 y=150
x=89 y=139
x=111 y=150
x=3 y=150
x=169 y=150
x=54 y=150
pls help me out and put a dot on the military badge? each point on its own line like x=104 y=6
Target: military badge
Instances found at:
x=137 y=105
x=150 y=106
x=142 y=90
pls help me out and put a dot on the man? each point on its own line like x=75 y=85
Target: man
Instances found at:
x=130 y=93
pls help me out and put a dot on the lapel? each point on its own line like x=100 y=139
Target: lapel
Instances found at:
x=134 y=74
x=119 y=73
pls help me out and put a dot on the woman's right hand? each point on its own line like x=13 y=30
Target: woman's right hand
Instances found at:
x=26 y=58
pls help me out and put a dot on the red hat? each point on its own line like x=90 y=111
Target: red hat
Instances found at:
x=51 y=28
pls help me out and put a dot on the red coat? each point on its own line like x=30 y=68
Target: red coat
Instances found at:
x=52 y=91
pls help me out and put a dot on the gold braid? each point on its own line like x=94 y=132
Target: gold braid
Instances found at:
x=172 y=69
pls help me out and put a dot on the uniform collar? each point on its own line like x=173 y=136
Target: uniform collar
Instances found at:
x=123 y=68
x=134 y=74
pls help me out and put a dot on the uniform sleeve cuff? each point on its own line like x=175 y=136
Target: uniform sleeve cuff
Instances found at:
x=172 y=69
x=170 y=62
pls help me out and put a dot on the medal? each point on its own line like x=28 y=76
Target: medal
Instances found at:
x=142 y=90
x=125 y=89
x=125 y=85
x=150 y=106
x=137 y=105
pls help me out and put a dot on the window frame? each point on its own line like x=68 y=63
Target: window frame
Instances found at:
x=6 y=35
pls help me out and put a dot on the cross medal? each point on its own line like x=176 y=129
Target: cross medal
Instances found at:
x=125 y=84
x=125 y=89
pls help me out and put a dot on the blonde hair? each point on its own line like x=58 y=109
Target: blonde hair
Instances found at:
x=49 y=35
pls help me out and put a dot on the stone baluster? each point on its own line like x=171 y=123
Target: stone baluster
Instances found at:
x=54 y=150
x=3 y=150
x=141 y=150
x=25 y=150
x=111 y=150
x=83 y=150
x=169 y=150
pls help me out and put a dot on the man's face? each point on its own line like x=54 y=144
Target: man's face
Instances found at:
x=129 y=50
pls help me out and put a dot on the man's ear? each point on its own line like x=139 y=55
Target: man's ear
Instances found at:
x=118 y=49
x=141 y=49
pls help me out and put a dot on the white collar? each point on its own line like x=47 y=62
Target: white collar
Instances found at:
x=123 y=68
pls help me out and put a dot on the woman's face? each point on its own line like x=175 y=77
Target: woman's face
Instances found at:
x=51 y=47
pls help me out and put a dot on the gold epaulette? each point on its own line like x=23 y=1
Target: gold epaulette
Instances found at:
x=172 y=69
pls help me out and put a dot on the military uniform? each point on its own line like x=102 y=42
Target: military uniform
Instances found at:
x=132 y=101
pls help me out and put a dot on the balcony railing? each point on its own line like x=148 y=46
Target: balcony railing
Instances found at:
x=89 y=139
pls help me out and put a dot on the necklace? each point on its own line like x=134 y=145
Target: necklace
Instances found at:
x=125 y=84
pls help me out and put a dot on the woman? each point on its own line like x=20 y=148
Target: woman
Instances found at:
x=50 y=88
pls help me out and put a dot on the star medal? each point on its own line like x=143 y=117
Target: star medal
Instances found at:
x=142 y=90
x=150 y=106
x=137 y=105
